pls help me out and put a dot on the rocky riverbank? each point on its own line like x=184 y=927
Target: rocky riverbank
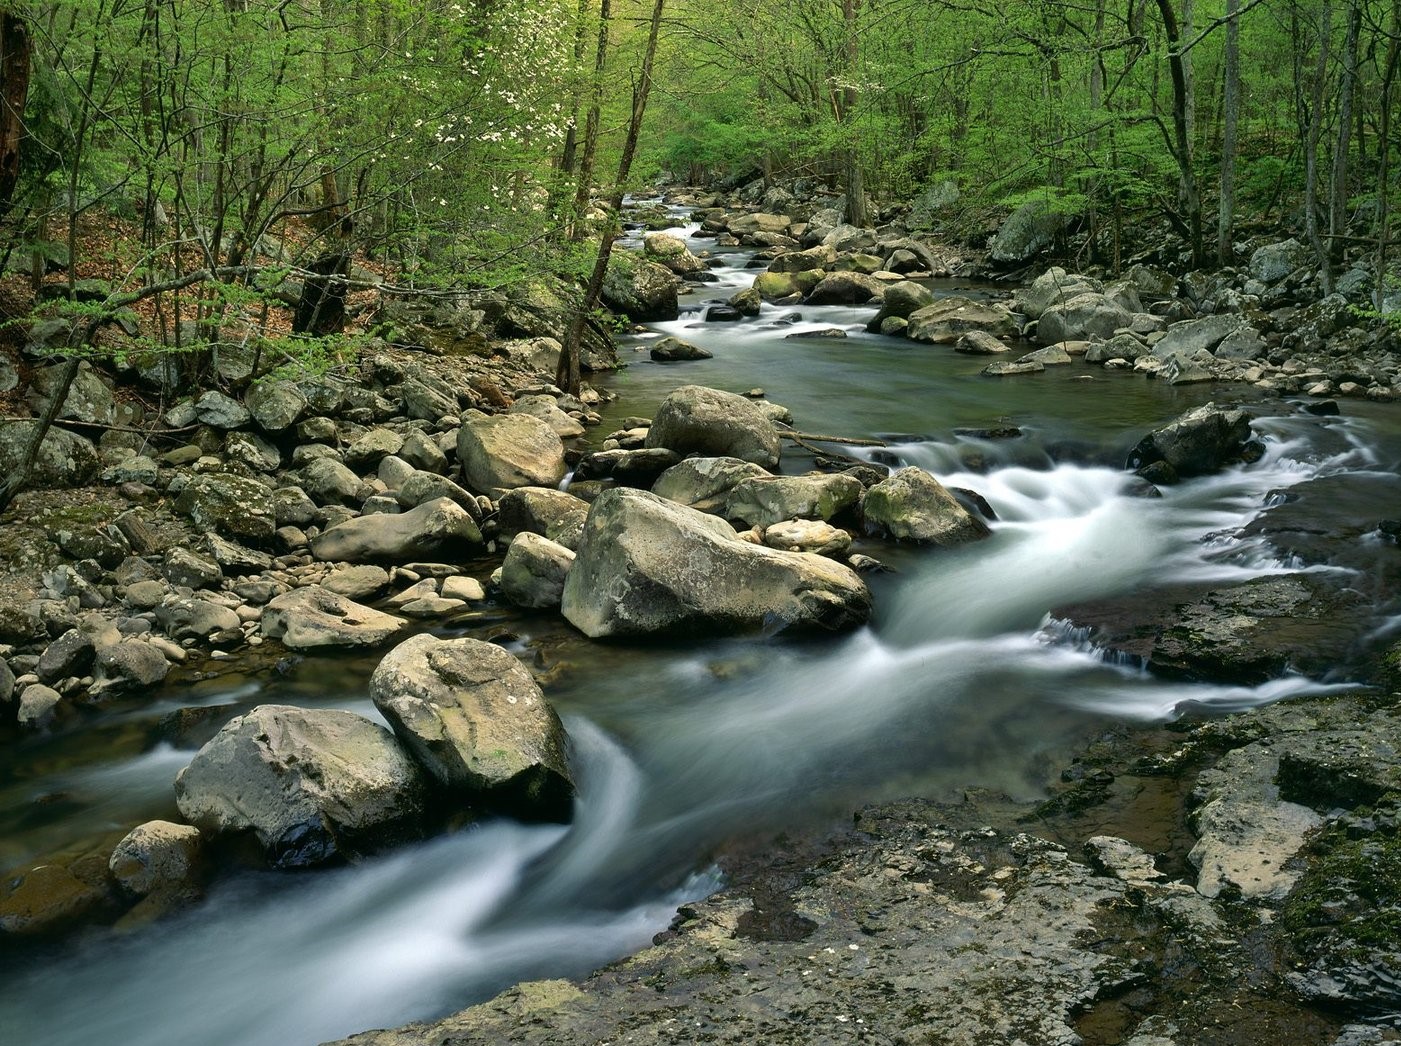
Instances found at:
x=349 y=512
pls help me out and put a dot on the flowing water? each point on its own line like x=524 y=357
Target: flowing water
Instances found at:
x=962 y=679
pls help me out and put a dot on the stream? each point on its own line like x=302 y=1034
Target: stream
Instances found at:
x=961 y=680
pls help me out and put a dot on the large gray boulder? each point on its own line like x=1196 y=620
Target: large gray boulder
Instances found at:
x=534 y=570
x=65 y=459
x=942 y=322
x=1193 y=336
x=275 y=405
x=545 y=511
x=89 y=400
x=330 y=482
x=503 y=451
x=439 y=530
x=705 y=483
x=313 y=785
x=766 y=500
x=1081 y=318
x=546 y=408
x=698 y=420
x=845 y=288
x=1026 y=232
x=649 y=566
x=234 y=506
x=901 y=299
x=1201 y=441
x=912 y=505
x=819 y=257
x=1274 y=261
x=1052 y=287
x=315 y=618
x=474 y=719
x=642 y=290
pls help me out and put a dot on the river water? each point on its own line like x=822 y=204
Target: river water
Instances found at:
x=960 y=681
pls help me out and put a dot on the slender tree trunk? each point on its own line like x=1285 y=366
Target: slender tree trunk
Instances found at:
x=1315 y=130
x=1337 y=183
x=15 y=52
x=1393 y=58
x=1182 y=140
x=857 y=212
x=567 y=372
x=587 y=161
x=1225 y=219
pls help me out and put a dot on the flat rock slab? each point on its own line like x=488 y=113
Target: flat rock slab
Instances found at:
x=1247 y=633
x=923 y=935
x=314 y=617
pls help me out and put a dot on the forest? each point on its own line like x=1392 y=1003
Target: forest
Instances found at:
x=464 y=144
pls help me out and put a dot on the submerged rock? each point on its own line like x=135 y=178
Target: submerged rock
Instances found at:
x=313 y=785
x=646 y=565
x=474 y=718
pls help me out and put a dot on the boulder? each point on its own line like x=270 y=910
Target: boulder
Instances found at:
x=181 y=566
x=628 y=468
x=774 y=286
x=820 y=257
x=672 y=252
x=533 y=571
x=252 y=451
x=944 y=321
x=314 y=617
x=550 y=513
x=644 y=291
x=132 y=664
x=195 y=618
x=89 y=400
x=504 y=451
x=71 y=654
x=808 y=535
x=746 y=224
x=1052 y=287
x=440 y=529
x=901 y=299
x=912 y=505
x=672 y=350
x=649 y=566
x=546 y=408
x=365 y=454
x=1193 y=336
x=1050 y=356
x=1201 y=441
x=65 y=459
x=158 y=857
x=364 y=581
x=313 y=785
x=419 y=488
x=219 y=411
x=476 y=722
x=275 y=405
x=699 y=420
x=1081 y=318
x=330 y=482
x=234 y=506
x=705 y=483
x=772 y=499
x=845 y=288
x=1273 y=262
x=1243 y=343
x=1026 y=232
x=979 y=343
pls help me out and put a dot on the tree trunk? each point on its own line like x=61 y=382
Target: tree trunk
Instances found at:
x=1230 y=105
x=15 y=51
x=1393 y=58
x=1315 y=130
x=587 y=161
x=1337 y=183
x=857 y=212
x=567 y=371
x=1182 y=140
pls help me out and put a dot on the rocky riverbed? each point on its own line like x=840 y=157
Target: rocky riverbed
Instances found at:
x=1176 y=879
